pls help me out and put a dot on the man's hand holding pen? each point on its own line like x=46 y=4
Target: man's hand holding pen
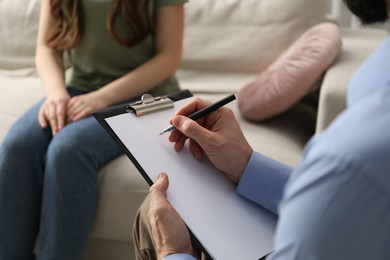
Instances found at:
x=216 y=135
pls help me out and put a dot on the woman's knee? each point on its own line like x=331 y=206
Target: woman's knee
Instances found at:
x=23 y=145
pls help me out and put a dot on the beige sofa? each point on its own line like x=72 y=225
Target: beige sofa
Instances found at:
x=227 y=43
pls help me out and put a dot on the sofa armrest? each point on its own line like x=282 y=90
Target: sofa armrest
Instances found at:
x=358 y=44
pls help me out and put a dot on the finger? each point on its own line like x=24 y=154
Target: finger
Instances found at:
x=61 y=115
x=192 y=130
x=158 y=191
x=196 y=150
x=81 y=114
x=174 y=136
x=180 y=142
x=178 y=138
x=189 y=108
x=72 y=108
x=161 y=184
x=52 y=117
x=192 y=106
x=77 y=109
x=42 y=117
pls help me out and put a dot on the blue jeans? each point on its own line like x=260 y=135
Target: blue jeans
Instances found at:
x=50 y=185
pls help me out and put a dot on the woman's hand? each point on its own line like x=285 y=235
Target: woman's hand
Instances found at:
x=53 y=111
x=84 y=105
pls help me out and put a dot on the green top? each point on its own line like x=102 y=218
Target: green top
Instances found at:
x=99 y=59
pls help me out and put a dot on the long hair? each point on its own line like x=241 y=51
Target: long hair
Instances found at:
x=69 y=20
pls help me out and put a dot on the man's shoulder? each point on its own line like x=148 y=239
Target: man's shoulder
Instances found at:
x=358 y=139
x=362 y=125
x=371 y=75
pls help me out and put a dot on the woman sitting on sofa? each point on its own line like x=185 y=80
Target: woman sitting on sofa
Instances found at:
x=50 y=158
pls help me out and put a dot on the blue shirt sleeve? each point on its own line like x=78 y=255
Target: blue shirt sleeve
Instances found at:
x=179 y=257
x=263 y=181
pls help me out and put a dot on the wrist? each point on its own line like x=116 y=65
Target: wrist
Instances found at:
x=57 y=93
x=246 y=155
x=102 y=98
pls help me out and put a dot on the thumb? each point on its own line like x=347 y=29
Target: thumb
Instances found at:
x=158 y=191
x=161 y=184
x=191 y=129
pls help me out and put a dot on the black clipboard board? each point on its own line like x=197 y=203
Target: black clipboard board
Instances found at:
x=224 y=224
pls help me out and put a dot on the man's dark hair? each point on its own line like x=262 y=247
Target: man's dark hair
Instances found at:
x=368 y=11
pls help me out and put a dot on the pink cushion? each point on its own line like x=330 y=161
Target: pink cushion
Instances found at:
x=292 y=74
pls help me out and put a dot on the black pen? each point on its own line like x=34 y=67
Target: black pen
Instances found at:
x=204 y=111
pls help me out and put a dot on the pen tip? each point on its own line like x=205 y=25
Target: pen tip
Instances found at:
x=166 y=130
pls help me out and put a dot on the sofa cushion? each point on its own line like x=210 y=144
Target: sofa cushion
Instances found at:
x=292 y=75
x=17 y=95
x=18 y=29
x=240 y=37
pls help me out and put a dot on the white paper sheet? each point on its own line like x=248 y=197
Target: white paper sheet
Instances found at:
x=227 y=225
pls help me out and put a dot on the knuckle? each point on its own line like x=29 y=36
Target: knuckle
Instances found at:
x=155 y=189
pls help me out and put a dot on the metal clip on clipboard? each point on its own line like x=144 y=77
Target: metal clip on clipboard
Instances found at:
x=149 y=104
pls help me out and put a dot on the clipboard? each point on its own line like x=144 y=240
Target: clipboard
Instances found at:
x=226 y=225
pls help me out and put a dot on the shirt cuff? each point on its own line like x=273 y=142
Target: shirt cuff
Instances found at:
x=179 y=257
x=263 y=181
